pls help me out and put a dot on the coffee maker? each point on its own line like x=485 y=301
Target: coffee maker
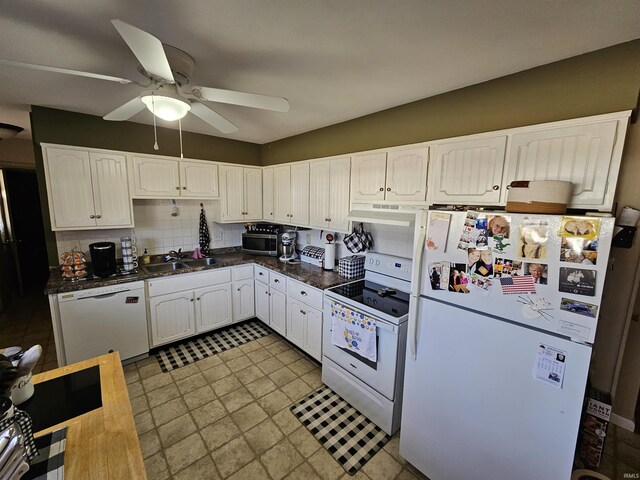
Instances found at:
x=288 y=243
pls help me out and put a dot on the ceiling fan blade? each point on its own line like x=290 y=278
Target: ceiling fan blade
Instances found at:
x=252 y=100
x=47 y=68
x=147 y=49
x=126 y=111
x=212 y=118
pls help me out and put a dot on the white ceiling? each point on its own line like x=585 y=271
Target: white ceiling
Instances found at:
x=334 y=60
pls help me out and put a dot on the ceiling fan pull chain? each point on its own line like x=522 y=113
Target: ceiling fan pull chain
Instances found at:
x=155 y=133
x=180 y=129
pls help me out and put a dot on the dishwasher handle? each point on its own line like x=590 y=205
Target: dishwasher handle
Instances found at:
x=105 y=295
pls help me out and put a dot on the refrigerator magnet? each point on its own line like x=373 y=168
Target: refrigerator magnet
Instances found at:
x=581 y=227
x=579 y=307
x=579 y=250
x=577 y=281
x=532 y=239
x=549 y=365
x=438 y=230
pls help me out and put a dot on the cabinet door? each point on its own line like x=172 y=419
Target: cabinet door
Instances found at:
x=156 y=177
x=296 y=321
x=407 y=175
x=198 y=180
x=282 y=194
x=278 y=311
x=231 y=193
x=319 y=193
x=313 y=334
x=243 y=300
x=110 y=190
x=368 y=177
x=252 y=194
x=68 y=176
x=468 y=171
x=213 y=307
x=267 y=193
x=580 y=154
x=172 y=317
x=262 y=301
x=339 y=198
x=300 y=193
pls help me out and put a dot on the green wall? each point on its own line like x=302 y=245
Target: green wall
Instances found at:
x=603 y=81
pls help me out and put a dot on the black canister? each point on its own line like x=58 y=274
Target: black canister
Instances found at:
x=103 y=258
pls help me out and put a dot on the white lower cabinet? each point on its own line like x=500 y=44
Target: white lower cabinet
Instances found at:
x=262 y=302
x=278 y=311
x=183 y=305
x=313 y=335
x=296 y=322
x=213 y=307
x=172 y=317
x=243 y=300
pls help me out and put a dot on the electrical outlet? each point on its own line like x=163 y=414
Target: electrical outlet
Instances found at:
x=308 y=238
x=216 y=237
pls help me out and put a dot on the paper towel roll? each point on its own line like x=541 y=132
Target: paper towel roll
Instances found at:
x=329 y=256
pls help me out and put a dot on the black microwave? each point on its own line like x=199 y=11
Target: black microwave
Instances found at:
x=260 y=243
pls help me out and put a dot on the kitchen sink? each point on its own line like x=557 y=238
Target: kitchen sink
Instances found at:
x=164 y=267
x=199 y=262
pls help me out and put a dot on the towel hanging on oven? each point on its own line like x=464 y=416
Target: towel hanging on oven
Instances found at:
x=353 y=331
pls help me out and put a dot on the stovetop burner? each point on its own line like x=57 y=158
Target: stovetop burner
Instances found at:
x=379 y=297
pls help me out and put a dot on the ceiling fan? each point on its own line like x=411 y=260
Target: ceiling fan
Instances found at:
x=169 y=95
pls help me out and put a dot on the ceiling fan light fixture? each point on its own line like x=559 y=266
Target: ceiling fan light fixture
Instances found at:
x=8 y=131
x=166 y=107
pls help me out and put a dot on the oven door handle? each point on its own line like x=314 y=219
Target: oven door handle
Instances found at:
x=386 y=326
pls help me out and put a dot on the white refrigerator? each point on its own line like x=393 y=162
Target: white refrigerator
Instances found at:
x=504 y=314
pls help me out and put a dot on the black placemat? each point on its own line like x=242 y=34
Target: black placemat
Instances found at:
x=62 y=398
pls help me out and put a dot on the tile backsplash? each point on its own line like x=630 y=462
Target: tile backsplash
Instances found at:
x=157 y=230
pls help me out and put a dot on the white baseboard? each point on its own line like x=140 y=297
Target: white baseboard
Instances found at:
x=623 y=422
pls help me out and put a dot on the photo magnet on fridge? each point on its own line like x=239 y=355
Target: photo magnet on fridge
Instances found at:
x=580 y=227
x=458 y=278
x=532 y=239
x=579 y=250
x=579 y=307
x=577 y=281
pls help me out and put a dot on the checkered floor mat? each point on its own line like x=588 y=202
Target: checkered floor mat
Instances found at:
x=350 y=437
x=189 y=351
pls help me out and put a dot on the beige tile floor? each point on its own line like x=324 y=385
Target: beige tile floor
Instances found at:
x=228 y=416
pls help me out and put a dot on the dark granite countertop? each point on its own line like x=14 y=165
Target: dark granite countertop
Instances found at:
x=304 y=272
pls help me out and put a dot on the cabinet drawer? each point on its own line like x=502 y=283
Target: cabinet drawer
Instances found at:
x=190 y=281
x=304 y=293
x=262 y=274
x=278 y=281
x=243 y=272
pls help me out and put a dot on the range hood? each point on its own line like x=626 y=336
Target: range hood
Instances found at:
x=385 y=214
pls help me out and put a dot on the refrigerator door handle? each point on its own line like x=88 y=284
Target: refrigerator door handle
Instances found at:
x=412 y=325
x=420 y=235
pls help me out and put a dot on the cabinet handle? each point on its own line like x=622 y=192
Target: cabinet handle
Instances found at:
x=382 y=189
x=302 y=292
x=270 y=213
x=198 y=298
x=329 y=220
x=260 y=273
x=508 y=187
x=191 y=299
x=92 y=216
x=496 y=187
x=276 y=280
x=238 y=289
x=98 y=216
x=303 y=312
x=388 y=189
x=177 y=188
x=184 y=188
x=266 y=293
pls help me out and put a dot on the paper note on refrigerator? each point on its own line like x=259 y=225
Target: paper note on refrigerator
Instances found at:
x=438 y=231
x=549 y=365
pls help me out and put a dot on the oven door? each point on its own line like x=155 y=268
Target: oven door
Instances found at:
x=381 y=375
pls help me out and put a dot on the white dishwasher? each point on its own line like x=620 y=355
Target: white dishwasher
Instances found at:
x=105 y=319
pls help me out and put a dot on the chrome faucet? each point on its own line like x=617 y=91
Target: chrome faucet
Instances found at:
x=173 y=255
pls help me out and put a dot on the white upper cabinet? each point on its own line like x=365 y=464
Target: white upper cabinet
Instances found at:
x=156 y=177
x=399 y=175
x=468 y=171
x=86 y=190
x=240 y=194
x=267 y=193
x=329 y=194
x=198 y=179
x=582 y=154
x=368 y=177
x=166 y=178
x=291 y=194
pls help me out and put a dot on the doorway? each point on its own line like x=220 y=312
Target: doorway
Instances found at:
x=24 y=266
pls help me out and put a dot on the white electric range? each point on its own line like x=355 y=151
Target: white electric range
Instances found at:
x=374 y=388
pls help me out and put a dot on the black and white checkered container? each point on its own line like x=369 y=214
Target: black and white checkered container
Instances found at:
x=351 y=267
